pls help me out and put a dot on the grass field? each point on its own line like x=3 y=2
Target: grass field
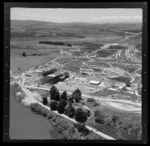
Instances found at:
x=126 y=126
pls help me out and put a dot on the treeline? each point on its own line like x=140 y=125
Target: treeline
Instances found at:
x=55 y=43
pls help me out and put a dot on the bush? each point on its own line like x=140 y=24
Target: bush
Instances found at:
x=90 y=100
x=53 y=105
x=38 y=109
x=81 y=128
x=80 y=115
x=54 y=94
x=61 y=106
x=99 y=117
x=77 y=95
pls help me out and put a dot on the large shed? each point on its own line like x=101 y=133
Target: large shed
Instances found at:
x=94 y=82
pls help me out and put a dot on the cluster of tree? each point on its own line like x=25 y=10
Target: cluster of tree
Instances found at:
x=63 y=104
x=45 y=73
x=80 y=115
x=55 y=43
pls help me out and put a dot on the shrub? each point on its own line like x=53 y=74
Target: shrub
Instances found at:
x=80 y=115
x=61 y=106
x=53 y=105
x=81 y=128
x=90 y=100
x=54 y=94
x=99 y=117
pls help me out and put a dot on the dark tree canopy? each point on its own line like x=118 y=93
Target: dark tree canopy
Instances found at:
x=70 y=110
x=53 y=105
x=61 y=106
x=45 y=102
x=80 y=115
x=64 y=95
x=54 y=94
x=70 y=99
x=77 y=95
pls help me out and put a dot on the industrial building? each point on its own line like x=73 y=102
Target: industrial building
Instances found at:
x=94 y=82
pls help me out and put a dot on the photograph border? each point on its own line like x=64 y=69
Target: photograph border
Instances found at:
x=6 y=65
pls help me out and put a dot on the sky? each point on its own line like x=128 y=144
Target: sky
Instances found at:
x=61 y=15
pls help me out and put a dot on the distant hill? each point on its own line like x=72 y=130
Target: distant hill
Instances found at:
x=30 y=24
x=30 y=28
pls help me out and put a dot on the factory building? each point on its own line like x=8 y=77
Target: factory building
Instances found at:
x=94 y=82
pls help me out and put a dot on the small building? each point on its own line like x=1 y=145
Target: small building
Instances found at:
x=112 y=89
x=94 y=82
x=51 y=75
x=129 y=89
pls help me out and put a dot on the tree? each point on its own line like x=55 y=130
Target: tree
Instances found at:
x=24 y=54
x=64 y=95
x=77 y=95
x=61 y=106
x=70 y=99
x=70 y=110
x=54 y=94
x=45 y=102
x=80 y=115
x=53 y=105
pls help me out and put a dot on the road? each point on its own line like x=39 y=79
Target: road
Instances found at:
x=90 y=96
